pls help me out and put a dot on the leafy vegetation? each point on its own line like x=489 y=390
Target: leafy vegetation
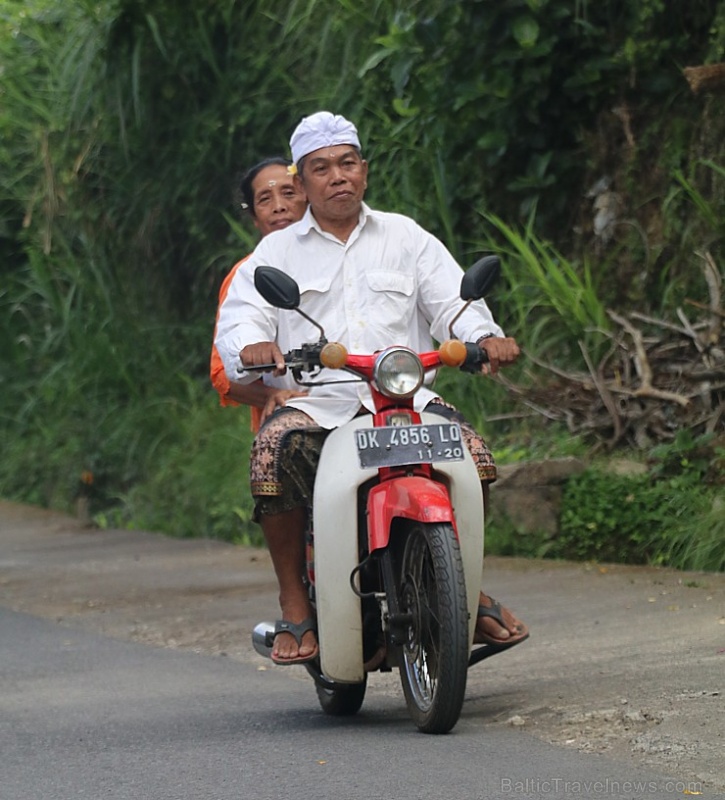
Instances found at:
x=672 y=514
x=123 y=126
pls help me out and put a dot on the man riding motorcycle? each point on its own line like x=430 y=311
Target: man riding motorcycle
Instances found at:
x=370 y=278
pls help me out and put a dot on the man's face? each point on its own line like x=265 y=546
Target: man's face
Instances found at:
x=278 y=199
x=334 y=180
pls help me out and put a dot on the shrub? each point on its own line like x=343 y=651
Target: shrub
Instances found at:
x=669 y=516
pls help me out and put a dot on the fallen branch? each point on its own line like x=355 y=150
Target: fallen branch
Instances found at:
x=714 y=287
x=643 y=366
x=606 y=396
x=656 y=378
x=706 y=78
x=704 y=306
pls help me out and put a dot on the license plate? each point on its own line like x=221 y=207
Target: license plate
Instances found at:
x=397 y=445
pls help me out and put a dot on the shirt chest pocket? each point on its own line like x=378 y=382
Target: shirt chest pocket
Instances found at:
x=391 y=301
x=315 y=294
x=395 y=283
x=311 y=285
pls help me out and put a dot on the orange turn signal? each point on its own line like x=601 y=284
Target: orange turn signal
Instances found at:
x=333 y=355
x=452 y=352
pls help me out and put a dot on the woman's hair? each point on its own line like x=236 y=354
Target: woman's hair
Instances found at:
x=246 y=190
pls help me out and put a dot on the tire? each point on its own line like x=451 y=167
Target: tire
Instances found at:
x=344 y=700
x=433 y=660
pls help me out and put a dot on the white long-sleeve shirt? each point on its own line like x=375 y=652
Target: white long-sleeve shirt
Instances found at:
x=392 y=283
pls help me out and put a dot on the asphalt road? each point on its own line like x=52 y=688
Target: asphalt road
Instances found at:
x=88 y=716
x=618 y=693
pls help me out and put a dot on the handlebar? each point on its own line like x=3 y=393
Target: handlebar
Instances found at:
x=468 y=356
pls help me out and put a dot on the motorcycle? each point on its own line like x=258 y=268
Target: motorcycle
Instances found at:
x=396 y=537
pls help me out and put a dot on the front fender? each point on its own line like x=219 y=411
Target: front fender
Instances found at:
x=409 y=497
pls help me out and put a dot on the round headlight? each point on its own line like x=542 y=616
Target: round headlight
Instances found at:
x=398 y=372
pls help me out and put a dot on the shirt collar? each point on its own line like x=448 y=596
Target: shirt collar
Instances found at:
x=309 y=223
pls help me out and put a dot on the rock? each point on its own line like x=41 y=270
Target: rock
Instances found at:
x=528 y=474
x=624 y=466
x=663 y=745
x=528 y=494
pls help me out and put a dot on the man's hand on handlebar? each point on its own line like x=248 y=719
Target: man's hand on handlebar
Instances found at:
x=501 y=352
x=254 y=355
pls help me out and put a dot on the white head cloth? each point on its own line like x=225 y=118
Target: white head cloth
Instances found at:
x=322 y=129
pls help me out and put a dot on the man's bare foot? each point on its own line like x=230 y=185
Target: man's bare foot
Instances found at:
x=496 y=624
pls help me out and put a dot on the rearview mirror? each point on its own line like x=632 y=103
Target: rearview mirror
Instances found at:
x=476 y=283
x=277 y=288
x=480 y=278
x=282 y=291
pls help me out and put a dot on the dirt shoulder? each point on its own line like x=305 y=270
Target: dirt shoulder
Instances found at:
x=625 y=661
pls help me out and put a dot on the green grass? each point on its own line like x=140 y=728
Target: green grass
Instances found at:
x=199 y=484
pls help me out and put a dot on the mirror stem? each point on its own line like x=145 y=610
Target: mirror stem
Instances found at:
x=455 y=319
x=316 y=324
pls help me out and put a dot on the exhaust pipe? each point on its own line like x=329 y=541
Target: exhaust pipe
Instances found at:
x=263 y=638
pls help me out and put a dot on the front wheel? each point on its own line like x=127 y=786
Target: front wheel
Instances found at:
x=433 y=658
x=344 y=700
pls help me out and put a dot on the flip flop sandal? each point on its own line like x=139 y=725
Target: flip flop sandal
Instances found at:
x=297 y=630
x=491 y=645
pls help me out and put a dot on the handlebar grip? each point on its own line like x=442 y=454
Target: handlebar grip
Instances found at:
x=289 y=359
x=476 y=357
x=241 y=369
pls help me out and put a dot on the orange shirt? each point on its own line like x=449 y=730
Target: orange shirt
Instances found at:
x=216 y=368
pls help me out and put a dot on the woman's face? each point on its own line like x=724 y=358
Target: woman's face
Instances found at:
x=278 y=199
